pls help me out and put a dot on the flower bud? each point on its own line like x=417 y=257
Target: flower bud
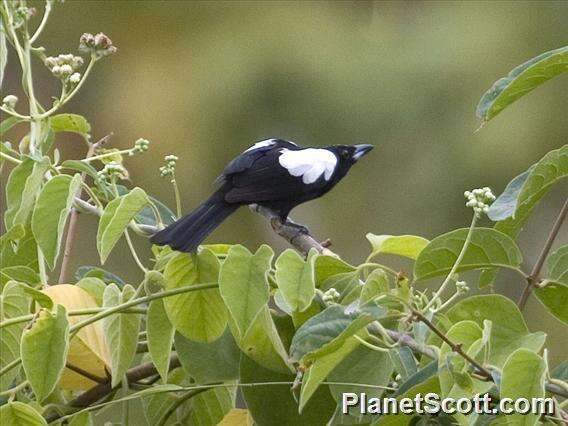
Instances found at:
x=10 y=101
x=75 y=78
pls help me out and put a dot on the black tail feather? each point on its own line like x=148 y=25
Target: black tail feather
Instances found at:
x=188 y=232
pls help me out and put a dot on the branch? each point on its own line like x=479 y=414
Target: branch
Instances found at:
x=99 y=391
x=533 y=277
x=298 y=238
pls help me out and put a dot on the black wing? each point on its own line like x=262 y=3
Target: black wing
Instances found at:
x=263 y=179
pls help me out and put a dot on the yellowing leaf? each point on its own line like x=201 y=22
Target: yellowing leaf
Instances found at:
x=236 y=417
x=87 y=349
x=401 y=245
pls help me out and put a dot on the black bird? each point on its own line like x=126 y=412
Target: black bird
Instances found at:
x=275 y=174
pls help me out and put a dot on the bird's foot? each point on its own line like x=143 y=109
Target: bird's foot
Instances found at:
x=301 y=228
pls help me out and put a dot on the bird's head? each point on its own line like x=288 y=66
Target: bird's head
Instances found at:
x=350 y=154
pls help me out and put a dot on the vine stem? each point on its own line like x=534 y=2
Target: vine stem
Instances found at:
x=456 y=263
x=14 y=113
x=133 y=252
x=533 y=276
x=10 y=158
x=41 y=26
x=177 y=196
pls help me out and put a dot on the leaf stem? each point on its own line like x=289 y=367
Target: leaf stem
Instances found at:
x=41 y=26
x=133 y=252
x=177 y=196
x=456 y=265
x=10 y=158
x=14 y=113
x=533 y=276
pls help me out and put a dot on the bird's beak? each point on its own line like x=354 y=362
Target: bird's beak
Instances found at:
x=361 y=150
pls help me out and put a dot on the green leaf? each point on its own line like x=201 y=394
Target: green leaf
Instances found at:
x=321 y=368
x=116 y=217
x=296 y=279
x=14 y=303
x=523 y=377
x=557 y=265
x=508 y=331
x=243 y=284
x=362 y=366
x=521 y=80
x=198 y=315
x=209 y=408
x=96 y=272
x=488 y=248
x=327 y=266
x=94 y=286
x=121 y=331
x=8 y=123
x=20 y=252
x=554 y=295
x=217 y=361
x=157 y=403
x=418 y=377
x=147 y=217
x=377 y=283
x=408 y=246
x=23 y=274
x=70 y=123
x=506 y=204
x=403 y=361
x=44 y=350
x=80 y=166
x=40 y=297
x=24 y=183
x=325 y=332
x=160 y=337
x=543 y=175
x=17 y=413
x=50 y=214
x=267 y=403
x=453 y=368
x=13 y=234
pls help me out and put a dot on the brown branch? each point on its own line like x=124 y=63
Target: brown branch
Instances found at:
x=456 y=347
x=73 y=218
x=86 y=374
x=101 y=390
x=299 y=239
x=532 y=279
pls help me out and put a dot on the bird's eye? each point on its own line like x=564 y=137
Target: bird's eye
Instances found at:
x=345 y=154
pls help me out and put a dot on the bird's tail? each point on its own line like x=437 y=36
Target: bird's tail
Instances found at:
x=188 y=232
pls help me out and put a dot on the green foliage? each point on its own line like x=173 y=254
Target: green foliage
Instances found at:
x=488 y=248
x=50 y=214
x=523 y=377
x=521 y=80
x=116 y=217
x=121 y=331
x=44 y=350
x=160 y=337
x=291 y=333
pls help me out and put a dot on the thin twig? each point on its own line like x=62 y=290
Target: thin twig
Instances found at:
x=84 y=373
x=43 y=21
x=532 y=279
x=74 y=216
x=456 y=347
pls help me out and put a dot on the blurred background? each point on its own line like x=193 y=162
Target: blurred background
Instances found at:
x=204 y=80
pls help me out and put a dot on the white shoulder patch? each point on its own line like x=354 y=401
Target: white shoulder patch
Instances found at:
x=261 y=144
x=310 y=163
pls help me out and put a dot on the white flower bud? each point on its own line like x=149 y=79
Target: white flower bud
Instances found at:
x=75 y=78
x=66 y=69
x=10 y=101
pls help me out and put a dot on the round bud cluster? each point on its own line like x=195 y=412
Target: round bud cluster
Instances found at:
x=64 y=67
x=98 y=45
x=170 y=168
x=10 y=101
x=479 y=199
x=23 y=14
x=331 y=296
x=110 y=170
x=141 y=145
x=462 y=287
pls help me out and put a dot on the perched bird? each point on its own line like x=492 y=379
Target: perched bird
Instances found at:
x=275 y=174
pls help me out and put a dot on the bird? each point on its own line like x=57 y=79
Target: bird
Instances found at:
x=275 y=174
